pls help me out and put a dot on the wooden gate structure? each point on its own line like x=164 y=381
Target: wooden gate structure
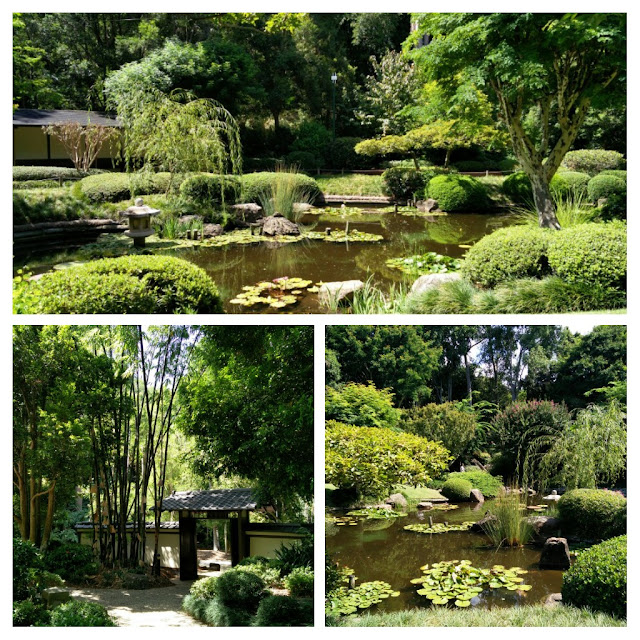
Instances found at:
x=217 y=504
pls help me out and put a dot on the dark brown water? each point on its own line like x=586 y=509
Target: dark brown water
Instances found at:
x=233 y=266
x=382 y=550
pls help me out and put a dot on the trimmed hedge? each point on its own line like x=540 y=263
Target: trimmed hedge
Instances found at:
x=618 y=173
x=598 y=579
x=284 y=611
x=593 y=513
x=210 y=189
x=240 y=590
x=594 y=254
x=508 y=253
x=255 y=184
x=81 y=614
x=115 y=187
x=471 y=165
x=458 y=193
x=50 y=173
x=569 y=183
x=593 y=161
x=487 y=484
x=517 y=187
x=131 y=284
x=55 y=205
x=405 y=183
x=456 y=489
x=605 y=186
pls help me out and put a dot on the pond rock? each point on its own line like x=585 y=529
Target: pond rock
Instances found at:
x=424 y=505
x=189 y=219
x=431 y=280
x=247 y=211
x=54 y=596
x=544 y=527
x=427 y=206
x=338 y=291
x=555 y=554
x=553 y=600
x=476 y=496
x=478 y=527
x=397 y=500
x=302 y=207
x=278 y=225
x=212 y=230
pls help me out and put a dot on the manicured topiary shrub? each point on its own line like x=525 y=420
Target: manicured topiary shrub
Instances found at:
x=108 y=187
x=517 y=187
x=598 y=579
x=81 y=614
x=131 y=284
x=283 y=611
x=405 y=183
x=593 y=161
x=458 y=193
x=593 y=514
x=29 y=614
x=594 y=254
x=487 y=484
x=605 y=186
x=456 y=489
x=50 y=173
x=512 y=252
x=300 y=582
x=256 y=184
x=618 y=173
x=508 y=164
x=240 y=590
x=210 y=189
x=71 y=561
x=204 y=588
x=569 y=183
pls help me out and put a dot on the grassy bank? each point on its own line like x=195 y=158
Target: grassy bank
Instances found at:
x=527 y=616
x=353 y=184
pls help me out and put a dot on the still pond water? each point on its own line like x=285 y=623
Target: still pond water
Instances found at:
x=383 y=550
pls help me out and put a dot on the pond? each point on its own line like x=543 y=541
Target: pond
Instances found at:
x=383 y=550
x=235 y=266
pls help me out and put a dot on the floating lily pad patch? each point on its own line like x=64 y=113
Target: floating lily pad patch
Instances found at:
x=430 y=262
x=276 y=294
x=339 y=235
x=439 y=527
x=375 y=513
x=344 y=521
x=344 y=601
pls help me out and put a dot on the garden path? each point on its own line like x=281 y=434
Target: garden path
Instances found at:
x=143 y=608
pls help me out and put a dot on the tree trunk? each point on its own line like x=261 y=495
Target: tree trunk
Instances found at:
x=468 y=376
x=48 y=523
x=447 y=157
x=543 y=201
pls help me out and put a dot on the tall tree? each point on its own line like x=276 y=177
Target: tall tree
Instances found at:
x=557 y=64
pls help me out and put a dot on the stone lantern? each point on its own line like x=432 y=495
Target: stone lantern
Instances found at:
x=139 y=222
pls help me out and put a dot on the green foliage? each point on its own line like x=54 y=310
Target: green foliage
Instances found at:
x=304 y=160
x=257 y=185
x=27 y=565
x=354 y=184
x=456 y=489
x=571 y=209
x=508 y=253
x=209 y=189
x=284 y=611
x=593 y=161
x=50 y=205
x=470 y=165
x=444 y=422
x=298 y=554
x=486 y=483
x=333 y=576
x=343 y=155
x=81 y=614
x=345 y=601
x=517 y=187
x=403 y=183
x=593 y=254
x=264 y=570
x=598 y=579
x=372 y=461
x=426 y=263
x=593 y=514
x=438 y=527
x=458 y=193
x=240 y=590
x=27 y=613
x=300 y=582
x=26 y=173
x=605 y=186
x=214 y=613
x=618 y=173
x=361 y=405
x=510 y=528
x=106 y=187
x=569 y=183
x=284 y=191
x=71 y=561
x=132 y=284
x=205 y=588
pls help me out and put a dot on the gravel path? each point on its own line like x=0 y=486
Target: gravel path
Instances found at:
x=143 y=608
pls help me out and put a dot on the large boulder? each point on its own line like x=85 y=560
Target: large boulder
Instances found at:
x=212 y=230
x=544 y=527
x=555 y=554
x=54 y=596
x=476 y=496
x=431 y=280
x=427 y=206
x=478 y=527
x=397 y=500
x=338 y=291
x=247 y=212
x=278 y=225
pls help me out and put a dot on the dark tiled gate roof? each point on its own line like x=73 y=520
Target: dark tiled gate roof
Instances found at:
x=213 y=500
x=89 y=526
x=42 y=117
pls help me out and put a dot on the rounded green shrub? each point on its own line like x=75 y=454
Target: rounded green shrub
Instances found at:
x=210 y=189
x=458 y=193
x=508 y=253
x=605 y=186
x=300 y=582
x=106 y=187
x=269 y=574
x=593 y=161
x=81 y=614
x=456 y=489
x=204 y=588
x=217 y=614
x=240 y=590
x=405 y=183
x=487 y=484
x=71 y=561
x=283 y=611
x=29 y=614
x=50 y=173
x=569 y=183
x=255 y=185
x=618 y=173
x=517 y=187
x=594 y=254
x=593 y=513
x=598 y=579
x=130 y=284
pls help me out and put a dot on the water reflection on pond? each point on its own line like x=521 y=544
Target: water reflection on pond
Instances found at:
x=383 y=550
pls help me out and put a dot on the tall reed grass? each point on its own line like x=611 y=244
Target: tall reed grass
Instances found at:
x=510 y=527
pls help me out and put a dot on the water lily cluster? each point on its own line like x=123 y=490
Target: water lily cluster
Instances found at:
x=430 y=262
x=438 y=527
x=376 y=513
x=344 y=601
x=276 y=294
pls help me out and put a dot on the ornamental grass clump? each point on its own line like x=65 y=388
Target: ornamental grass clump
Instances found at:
x=509 y=528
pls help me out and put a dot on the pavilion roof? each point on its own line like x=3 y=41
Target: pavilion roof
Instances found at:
x=42 y=117
x=210 y=500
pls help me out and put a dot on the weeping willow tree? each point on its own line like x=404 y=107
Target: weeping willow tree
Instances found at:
x=590 y=452
x=177 y=133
